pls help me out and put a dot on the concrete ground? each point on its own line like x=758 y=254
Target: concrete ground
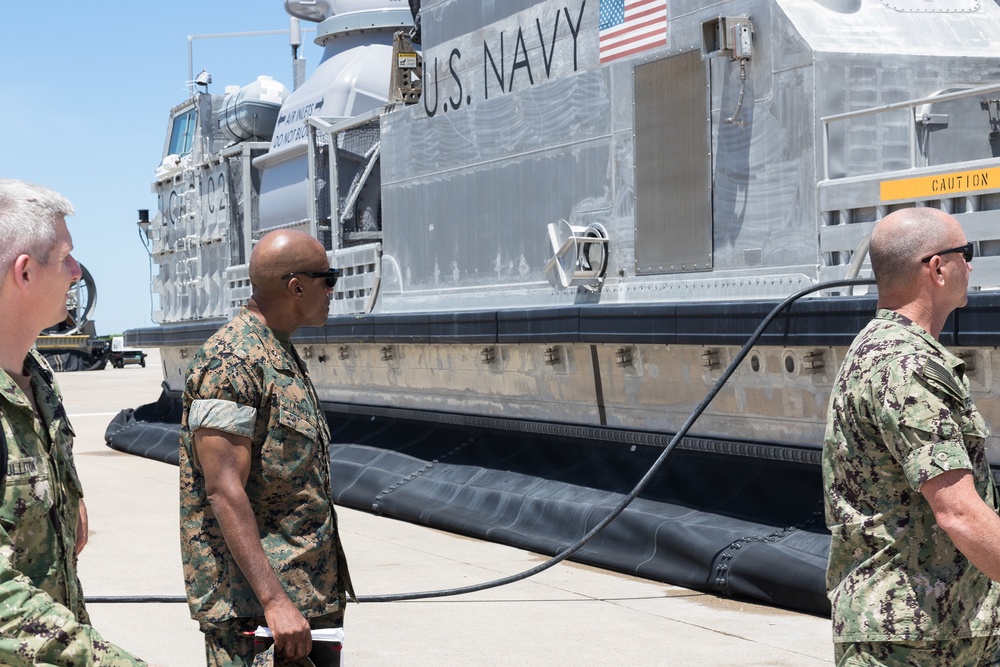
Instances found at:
x=568 y=615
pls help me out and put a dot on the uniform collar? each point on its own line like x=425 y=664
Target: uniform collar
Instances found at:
x=11 y=392
x=47 y=399
x=279 y=355
x=917 y=330
x=33 y=367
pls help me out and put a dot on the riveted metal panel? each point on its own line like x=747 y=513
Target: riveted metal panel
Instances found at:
x=673 y=210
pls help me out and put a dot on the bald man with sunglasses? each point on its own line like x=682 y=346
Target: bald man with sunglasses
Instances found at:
x=259 y=536
x=910 y=499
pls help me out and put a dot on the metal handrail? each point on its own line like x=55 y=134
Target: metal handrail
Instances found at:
x=333 y=126
x=895 y=106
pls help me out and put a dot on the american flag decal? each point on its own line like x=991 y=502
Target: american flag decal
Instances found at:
x=631 y=26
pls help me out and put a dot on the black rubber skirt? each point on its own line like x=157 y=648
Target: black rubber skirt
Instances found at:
x=735 y=525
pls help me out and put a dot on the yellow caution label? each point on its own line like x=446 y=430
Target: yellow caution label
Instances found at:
x=942 y=185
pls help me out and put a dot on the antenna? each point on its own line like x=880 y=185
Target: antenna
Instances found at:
x=255 y=33
x=298 y=64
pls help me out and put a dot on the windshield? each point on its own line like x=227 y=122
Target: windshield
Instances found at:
x=182 y=132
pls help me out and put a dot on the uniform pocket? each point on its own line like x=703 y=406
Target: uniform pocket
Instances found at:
x=291 y=418
x=28 y=499
x=290 y=448
x=28 y=492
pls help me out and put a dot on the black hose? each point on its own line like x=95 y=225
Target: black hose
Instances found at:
x=569 y=551
x=640 y=485
x=134 y=599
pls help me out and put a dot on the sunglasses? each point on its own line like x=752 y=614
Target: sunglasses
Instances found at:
x=330 y=276
x=964 y=250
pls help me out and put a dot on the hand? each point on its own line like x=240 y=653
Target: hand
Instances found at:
x=82 y=528
x=292 y=636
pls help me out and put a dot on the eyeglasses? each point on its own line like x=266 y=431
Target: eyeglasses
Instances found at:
x=330 y=276
x=964 y=250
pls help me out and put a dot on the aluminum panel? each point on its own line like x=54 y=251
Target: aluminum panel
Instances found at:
x=673 y=212
x=873 y=28
x=284 y=193
x=520 y=162
x=563 y=111
x=445 y=20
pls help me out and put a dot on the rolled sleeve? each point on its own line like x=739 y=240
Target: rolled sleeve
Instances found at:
x=222 y=415
x=929 y=457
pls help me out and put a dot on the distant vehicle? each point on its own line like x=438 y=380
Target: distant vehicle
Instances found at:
x=121 y=355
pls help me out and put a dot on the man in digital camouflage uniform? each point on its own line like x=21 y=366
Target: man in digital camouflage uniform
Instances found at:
x=43 y=521
x=259 y=534
x=910 y=500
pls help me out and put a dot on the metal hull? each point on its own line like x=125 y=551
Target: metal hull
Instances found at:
x=551 y=236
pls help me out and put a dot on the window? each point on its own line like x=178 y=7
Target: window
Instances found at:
x=182 y=132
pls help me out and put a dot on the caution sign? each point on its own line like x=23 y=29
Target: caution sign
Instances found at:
x=941 y=185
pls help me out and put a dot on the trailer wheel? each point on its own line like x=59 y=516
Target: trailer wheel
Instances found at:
x=81 y=300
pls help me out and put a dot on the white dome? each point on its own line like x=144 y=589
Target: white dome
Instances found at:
x=319 y=10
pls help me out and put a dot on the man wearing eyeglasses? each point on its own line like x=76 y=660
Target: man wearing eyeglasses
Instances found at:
x=910 y=500
x=259 y=537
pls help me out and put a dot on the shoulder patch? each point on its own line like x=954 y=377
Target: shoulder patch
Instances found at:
x=934 y=372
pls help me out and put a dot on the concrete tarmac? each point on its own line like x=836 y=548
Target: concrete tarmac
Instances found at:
x=570 y=614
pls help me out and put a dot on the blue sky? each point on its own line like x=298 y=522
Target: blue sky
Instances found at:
x=87 y=89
